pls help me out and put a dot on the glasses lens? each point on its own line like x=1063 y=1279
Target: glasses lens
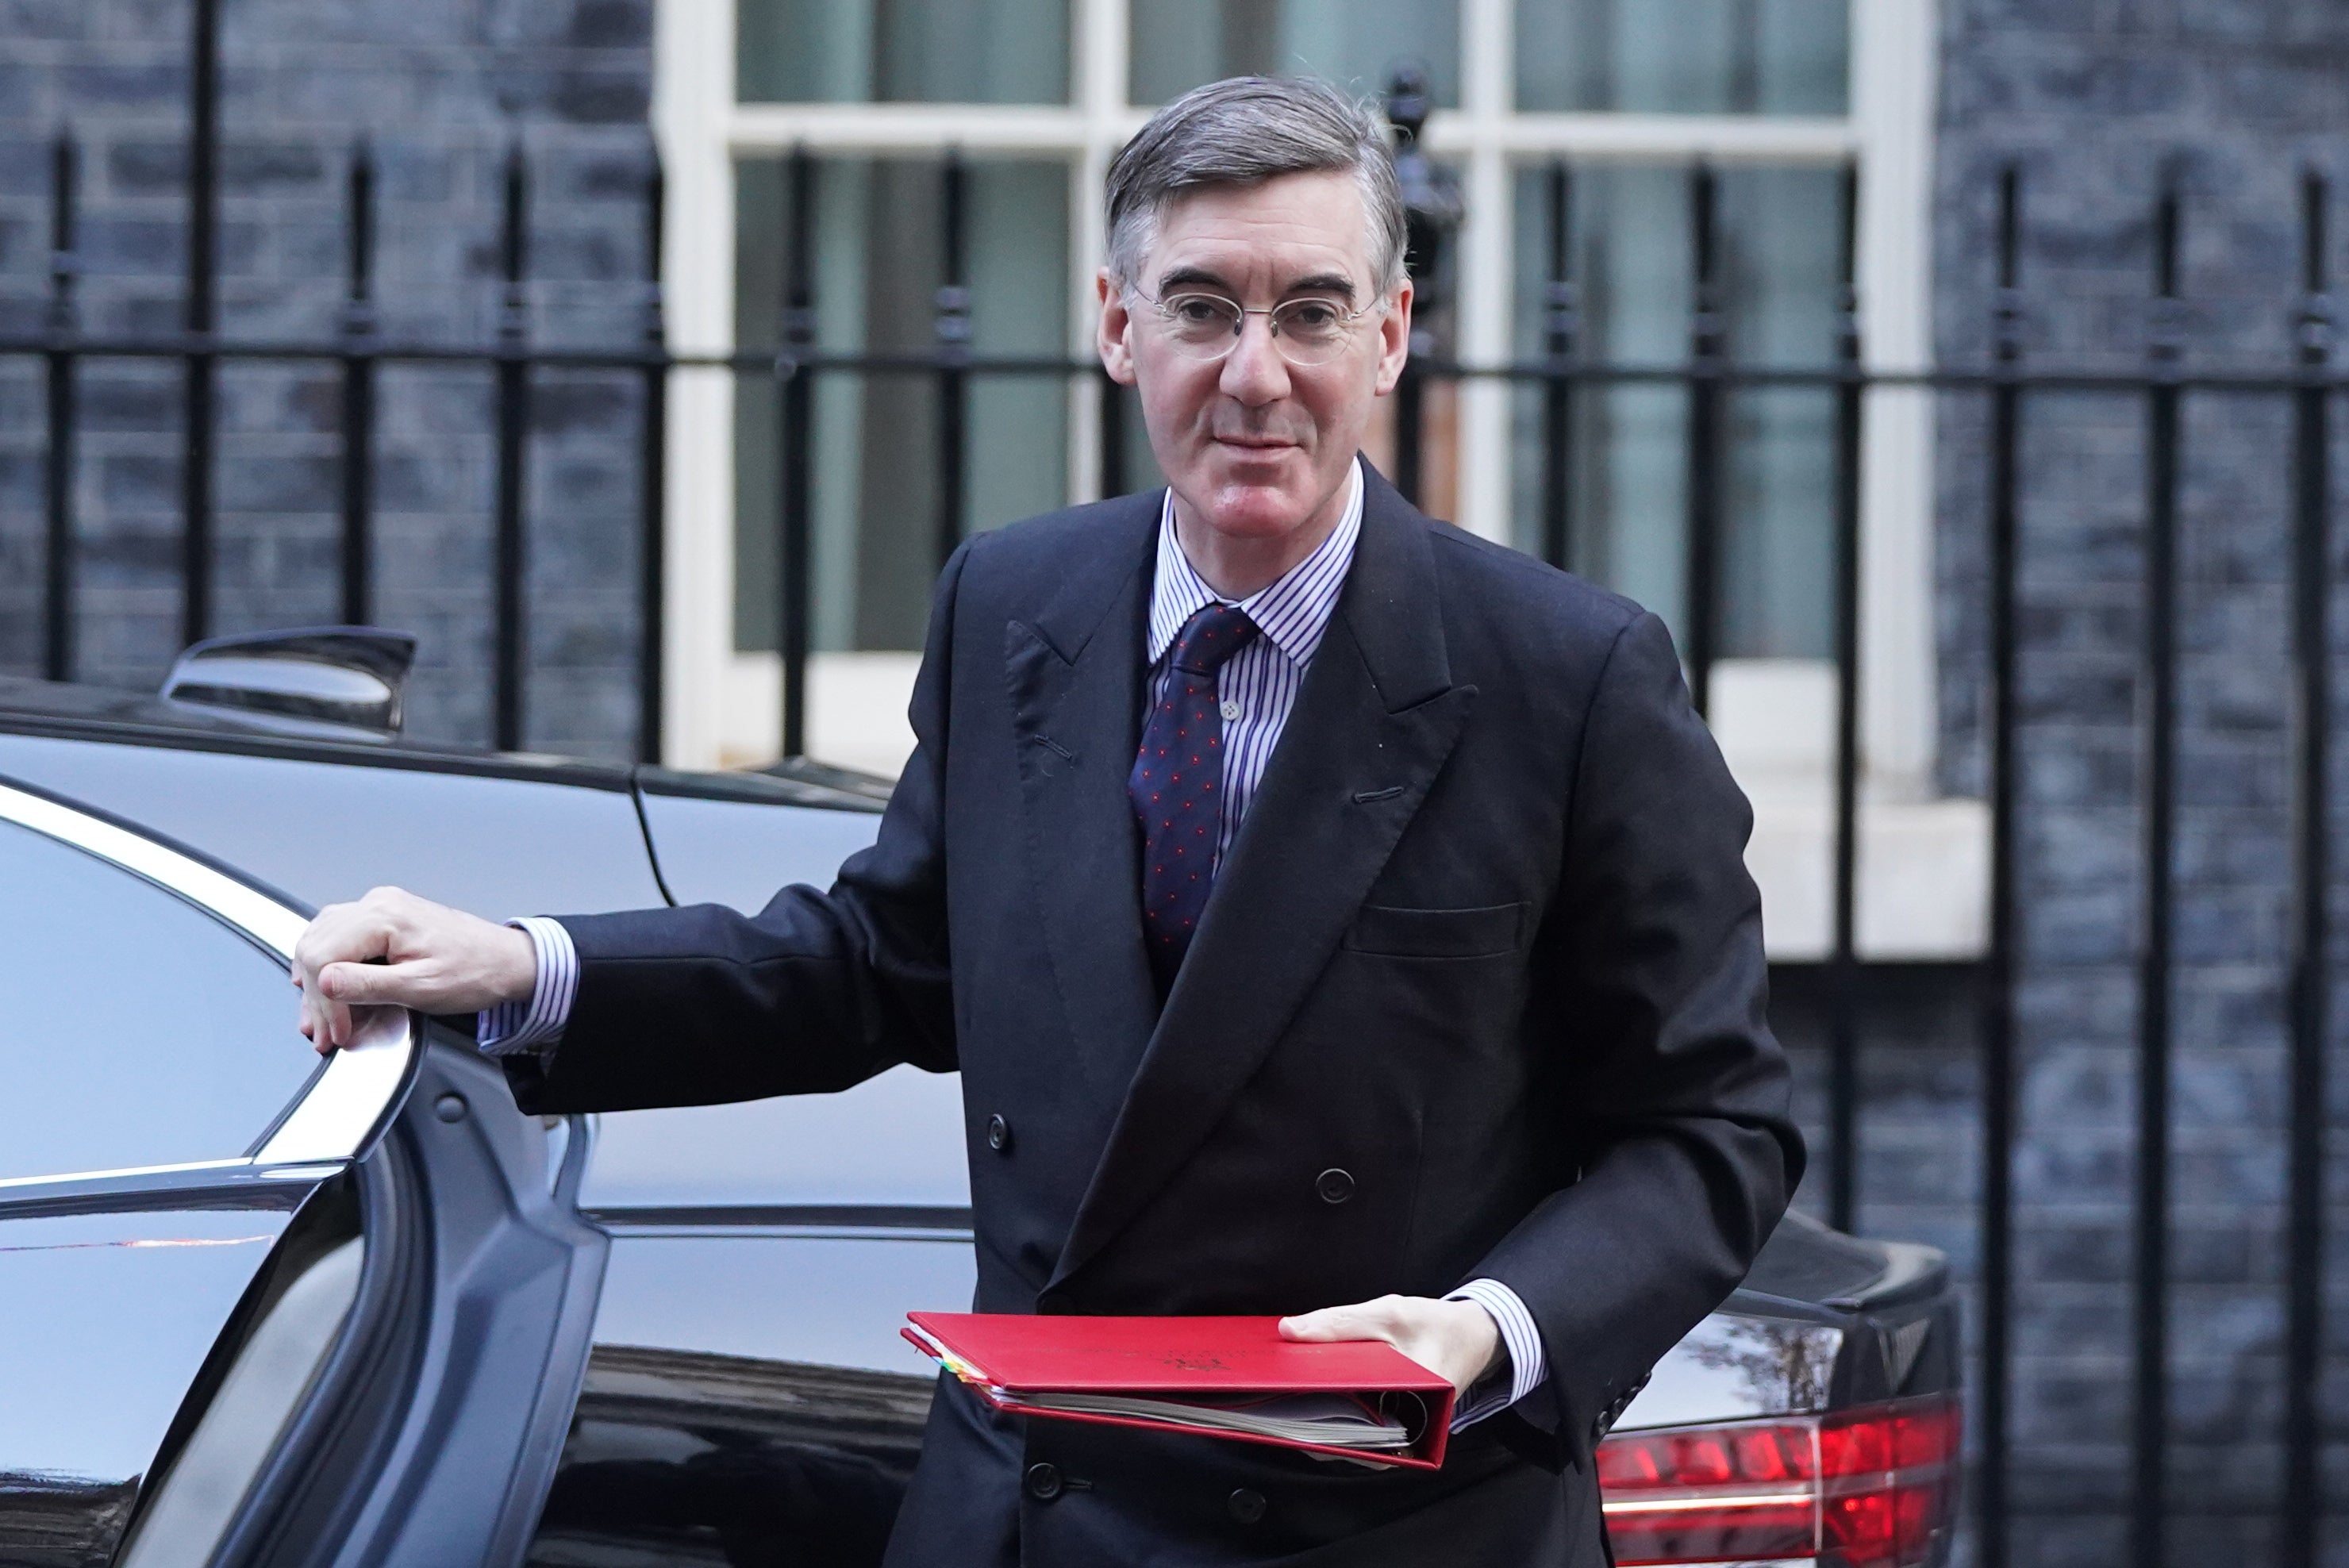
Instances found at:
x=1202 y=325
x=1310 y=331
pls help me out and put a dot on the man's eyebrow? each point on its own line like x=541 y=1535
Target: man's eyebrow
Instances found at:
x=1337 y=284
x=1192 y=277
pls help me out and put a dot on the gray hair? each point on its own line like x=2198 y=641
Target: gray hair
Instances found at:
x=1243 y=131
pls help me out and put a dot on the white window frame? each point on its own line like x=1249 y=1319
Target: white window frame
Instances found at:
x=1889 y=132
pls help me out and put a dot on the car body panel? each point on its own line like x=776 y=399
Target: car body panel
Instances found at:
x=791 y=1294
x=737 y=852
x=896 y=1139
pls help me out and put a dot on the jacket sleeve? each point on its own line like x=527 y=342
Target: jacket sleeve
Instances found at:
x=1679 y=1091
x=818 y=991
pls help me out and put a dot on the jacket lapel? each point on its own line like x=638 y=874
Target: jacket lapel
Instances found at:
x=1373 y=723
x=1075 y=676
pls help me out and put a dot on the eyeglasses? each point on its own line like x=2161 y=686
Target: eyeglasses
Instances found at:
x=1305 y=332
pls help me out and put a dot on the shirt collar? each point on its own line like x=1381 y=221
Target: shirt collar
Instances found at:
x=1291 y=612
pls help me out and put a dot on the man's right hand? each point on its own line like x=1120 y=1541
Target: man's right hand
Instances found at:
x=393 y=947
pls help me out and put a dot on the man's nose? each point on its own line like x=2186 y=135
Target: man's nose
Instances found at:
x=1253 y=371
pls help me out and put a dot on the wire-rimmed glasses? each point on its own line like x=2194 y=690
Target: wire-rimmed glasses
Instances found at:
x=1307 y=331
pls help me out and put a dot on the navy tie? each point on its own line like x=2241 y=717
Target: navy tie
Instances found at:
x=1177 y=787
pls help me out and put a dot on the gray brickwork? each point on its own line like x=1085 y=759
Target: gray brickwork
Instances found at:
x=2093 y=99
x=438 y=88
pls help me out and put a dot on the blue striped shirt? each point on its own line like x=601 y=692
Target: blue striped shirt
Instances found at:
x=1256 y=688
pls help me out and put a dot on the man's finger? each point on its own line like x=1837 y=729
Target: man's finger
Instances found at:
x=320 y=1019
x=348 y=984
x=343 y=932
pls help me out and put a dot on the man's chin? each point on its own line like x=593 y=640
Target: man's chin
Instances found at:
x=1262 y=491
x=1258 y=511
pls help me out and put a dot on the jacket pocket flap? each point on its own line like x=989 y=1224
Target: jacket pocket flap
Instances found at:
x=1437 y=933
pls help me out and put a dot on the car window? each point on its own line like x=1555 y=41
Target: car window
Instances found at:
x=745 y=1378
x=135 y=1029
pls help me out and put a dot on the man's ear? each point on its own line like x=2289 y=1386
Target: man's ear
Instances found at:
x=1111 y=334
x=1394 y=340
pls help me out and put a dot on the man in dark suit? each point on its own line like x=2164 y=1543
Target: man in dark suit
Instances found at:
x=1330 y=915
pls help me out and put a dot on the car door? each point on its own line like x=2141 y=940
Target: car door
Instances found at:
x=160 y=1139
x=255 y=1307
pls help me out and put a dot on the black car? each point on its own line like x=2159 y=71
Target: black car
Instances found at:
x=258 y=1307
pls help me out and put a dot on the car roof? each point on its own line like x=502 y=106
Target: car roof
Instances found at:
x=322 y=817
x=135 y=718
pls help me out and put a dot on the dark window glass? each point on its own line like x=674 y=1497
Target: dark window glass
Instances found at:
x=878 y=246
x=1176 y=44
x=1685 y=56
x=135 y=1029
x=1776 y=235
x=902 y=51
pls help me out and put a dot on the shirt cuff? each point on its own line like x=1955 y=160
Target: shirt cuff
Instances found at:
x=536 y=1022
x=1497 y=1392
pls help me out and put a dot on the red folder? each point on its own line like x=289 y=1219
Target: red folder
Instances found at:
x=1218 y=1376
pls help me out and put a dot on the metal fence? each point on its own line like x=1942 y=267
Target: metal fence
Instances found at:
x=2006 y=382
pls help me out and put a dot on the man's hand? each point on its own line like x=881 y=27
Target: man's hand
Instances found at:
x=1454 y=1339
x=394 y=947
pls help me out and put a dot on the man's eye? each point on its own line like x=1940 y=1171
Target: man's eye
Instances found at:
x=1313 y=315
x=1198 y=310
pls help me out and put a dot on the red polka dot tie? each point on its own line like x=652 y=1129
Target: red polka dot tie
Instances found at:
x=1177 y=787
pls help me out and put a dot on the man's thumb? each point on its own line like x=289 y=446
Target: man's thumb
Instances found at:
x=1329 y=1323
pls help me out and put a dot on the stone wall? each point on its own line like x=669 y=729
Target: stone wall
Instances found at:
x=439 y=89
x=2093 y=100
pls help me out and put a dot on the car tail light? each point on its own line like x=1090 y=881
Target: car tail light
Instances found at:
x=1870 y=1487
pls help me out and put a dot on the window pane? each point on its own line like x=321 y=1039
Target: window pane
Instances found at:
x=1357 y=44
x=902 y=51
x=1777 y=229
x=137 y=1029
x=1685 y=56
x=877 y=238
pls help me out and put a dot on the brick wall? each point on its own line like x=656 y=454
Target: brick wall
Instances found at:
x=439 y=88
x=2091 y=97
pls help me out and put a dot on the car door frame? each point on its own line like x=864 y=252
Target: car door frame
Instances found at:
x=410 y=1444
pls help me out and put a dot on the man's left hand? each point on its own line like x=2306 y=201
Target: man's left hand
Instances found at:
x=1454 y=1339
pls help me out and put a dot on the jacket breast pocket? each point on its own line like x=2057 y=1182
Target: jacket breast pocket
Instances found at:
x=1437 y=932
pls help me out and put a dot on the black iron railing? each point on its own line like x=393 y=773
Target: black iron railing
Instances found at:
x=361 y=352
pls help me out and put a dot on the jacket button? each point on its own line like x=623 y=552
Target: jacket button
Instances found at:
x=1044 y=1482
x=1334 y=1185
x=999 y=1134
x=1246 y=1506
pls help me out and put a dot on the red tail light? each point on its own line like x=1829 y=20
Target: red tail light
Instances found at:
x=1872 y=1487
